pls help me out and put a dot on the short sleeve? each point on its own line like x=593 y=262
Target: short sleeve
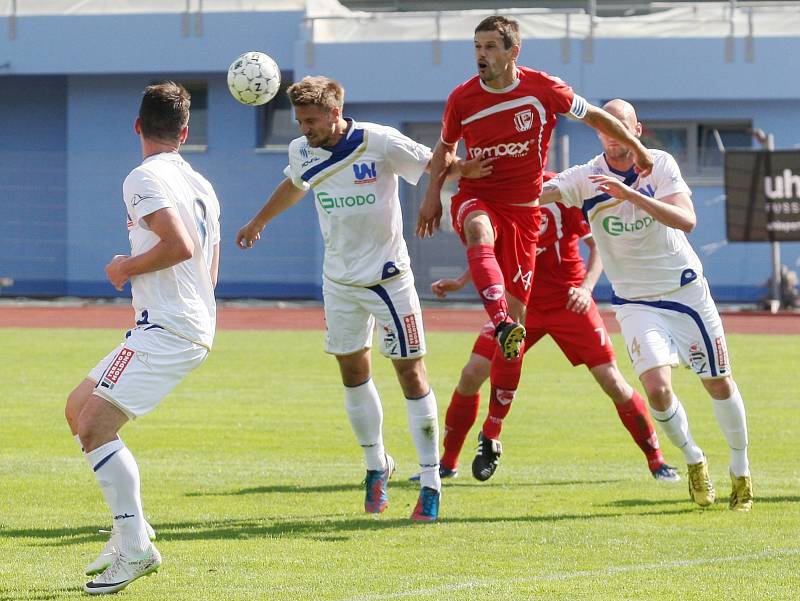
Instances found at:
x=559 y=94
x=667 y=177
x=406 y=158
x=292 y=170
x=572 y=184
x=451 y=121
x=143 y=194
x=575 y=223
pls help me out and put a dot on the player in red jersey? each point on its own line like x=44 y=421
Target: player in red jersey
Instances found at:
x=506 y=113
x=560 y=305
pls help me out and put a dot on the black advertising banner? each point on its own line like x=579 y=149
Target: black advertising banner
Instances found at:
x=762 y=191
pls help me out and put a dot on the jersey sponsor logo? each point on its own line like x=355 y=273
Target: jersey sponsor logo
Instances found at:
x=697 y=358
x=493 y=292
x=137 y=198
x=390 y=343
x=329 y=203
x=118 y=365
x=616 y=227
x=365 y=174
x=412 y=333
x=510 y=149
x=523 y=120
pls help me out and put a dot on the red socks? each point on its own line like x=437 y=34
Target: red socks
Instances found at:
x=505 y=377
x=488 y=280
x=634 y=416
x=461 y=415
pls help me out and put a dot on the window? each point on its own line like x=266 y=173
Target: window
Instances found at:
x=198 y=117
x=276 y=126
x=698 y=146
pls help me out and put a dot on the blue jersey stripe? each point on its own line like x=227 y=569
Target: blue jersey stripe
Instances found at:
x=680 y=308
x=103 y=461
x=401 y=336
x=630 y=177
x=343 y=149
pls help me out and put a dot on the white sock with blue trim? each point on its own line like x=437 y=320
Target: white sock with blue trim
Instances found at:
x=675 y=424
x=733 y=423
x=118 y=476
x=423 y=421
x=364 y=410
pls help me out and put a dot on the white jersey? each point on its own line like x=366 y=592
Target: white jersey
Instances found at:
x=355 y=192
x=642 y=257
x=180 y=298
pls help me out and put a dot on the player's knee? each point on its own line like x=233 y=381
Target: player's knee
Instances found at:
x=659 y=394
x=478 y=232
x=720 y=388
x=472 y=378
x=413 y=378
x=73 y=408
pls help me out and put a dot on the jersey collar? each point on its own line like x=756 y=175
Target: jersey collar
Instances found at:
x=168 y=156
x=624 y=174
x=351 y=127
x=505 y=90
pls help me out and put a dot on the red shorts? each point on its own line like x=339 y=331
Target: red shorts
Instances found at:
x=582 y=338
x=516 y=231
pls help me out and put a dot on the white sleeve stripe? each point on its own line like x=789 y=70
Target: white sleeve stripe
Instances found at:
x=579 y=107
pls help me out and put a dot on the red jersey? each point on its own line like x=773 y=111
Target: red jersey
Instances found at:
x=514 y=125
x=559 y=265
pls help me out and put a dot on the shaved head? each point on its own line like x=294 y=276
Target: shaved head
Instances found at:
x=625 y=112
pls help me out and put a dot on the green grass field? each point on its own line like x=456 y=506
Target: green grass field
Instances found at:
x=251 y=478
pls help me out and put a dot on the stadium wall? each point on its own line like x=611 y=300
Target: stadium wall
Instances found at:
x=70 y=90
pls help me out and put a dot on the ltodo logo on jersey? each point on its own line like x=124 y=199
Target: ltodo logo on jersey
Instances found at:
x=365 y=174
x=523 y=120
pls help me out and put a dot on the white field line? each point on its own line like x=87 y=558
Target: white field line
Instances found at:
x=610 y=571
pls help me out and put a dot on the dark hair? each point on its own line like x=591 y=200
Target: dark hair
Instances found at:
x=164 y=111
x=507 y=28
x=318 y=91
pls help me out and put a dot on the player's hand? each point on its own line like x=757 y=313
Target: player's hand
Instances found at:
x=579 y=299
x=643 y=162
x=442 y=287
x=430 y=215
x=476 y=168
x=611 y=186
x=116 y=273
x=248 y=234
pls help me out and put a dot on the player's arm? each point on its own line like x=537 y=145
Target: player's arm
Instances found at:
x=174 y=246
x=214 y=269
x=445 y=285
x=580 y=298
x=674 y=210
x=430 y=211
x=550 y=193
x=609 y=125
x=471 y=169
x=285 y=195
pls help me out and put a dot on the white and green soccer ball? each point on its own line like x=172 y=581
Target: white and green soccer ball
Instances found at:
x=254 y=78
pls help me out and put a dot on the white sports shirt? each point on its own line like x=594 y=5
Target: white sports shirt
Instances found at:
x=355 y=192
x=641 y=256
x=180 y=298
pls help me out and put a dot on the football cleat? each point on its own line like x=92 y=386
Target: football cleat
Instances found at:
x=111 y=549
x=510 y=335
x=486 y=458
x=701 y=489
x=444 y=473
x=427 y=509
x=377 y=497
x=123 y=571
x=666 y=473
x=741 y=493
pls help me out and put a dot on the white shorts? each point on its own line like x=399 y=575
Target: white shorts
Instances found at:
x=681 y=326
x=352 y=311
x=144 y=369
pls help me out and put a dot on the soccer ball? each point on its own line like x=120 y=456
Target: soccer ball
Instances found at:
x=254 y=78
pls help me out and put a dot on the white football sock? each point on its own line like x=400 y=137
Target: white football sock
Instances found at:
x=423 y=421
x=676 y=426
x=118 y=476
x=733 y=423
x=363 y=406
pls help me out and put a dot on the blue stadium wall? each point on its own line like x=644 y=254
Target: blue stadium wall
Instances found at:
x=70 y=91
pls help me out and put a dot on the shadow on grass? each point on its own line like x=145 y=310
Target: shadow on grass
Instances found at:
x=323 y=528
x=40 y=595
x=395 y=483
x=720 y=501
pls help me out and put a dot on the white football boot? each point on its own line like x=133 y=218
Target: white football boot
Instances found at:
x=123 y=571
x=110 y=551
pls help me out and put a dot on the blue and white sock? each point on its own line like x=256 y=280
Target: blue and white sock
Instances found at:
x=364 y=410
x=423 y=421
x=118 y=476
x=675 y=424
